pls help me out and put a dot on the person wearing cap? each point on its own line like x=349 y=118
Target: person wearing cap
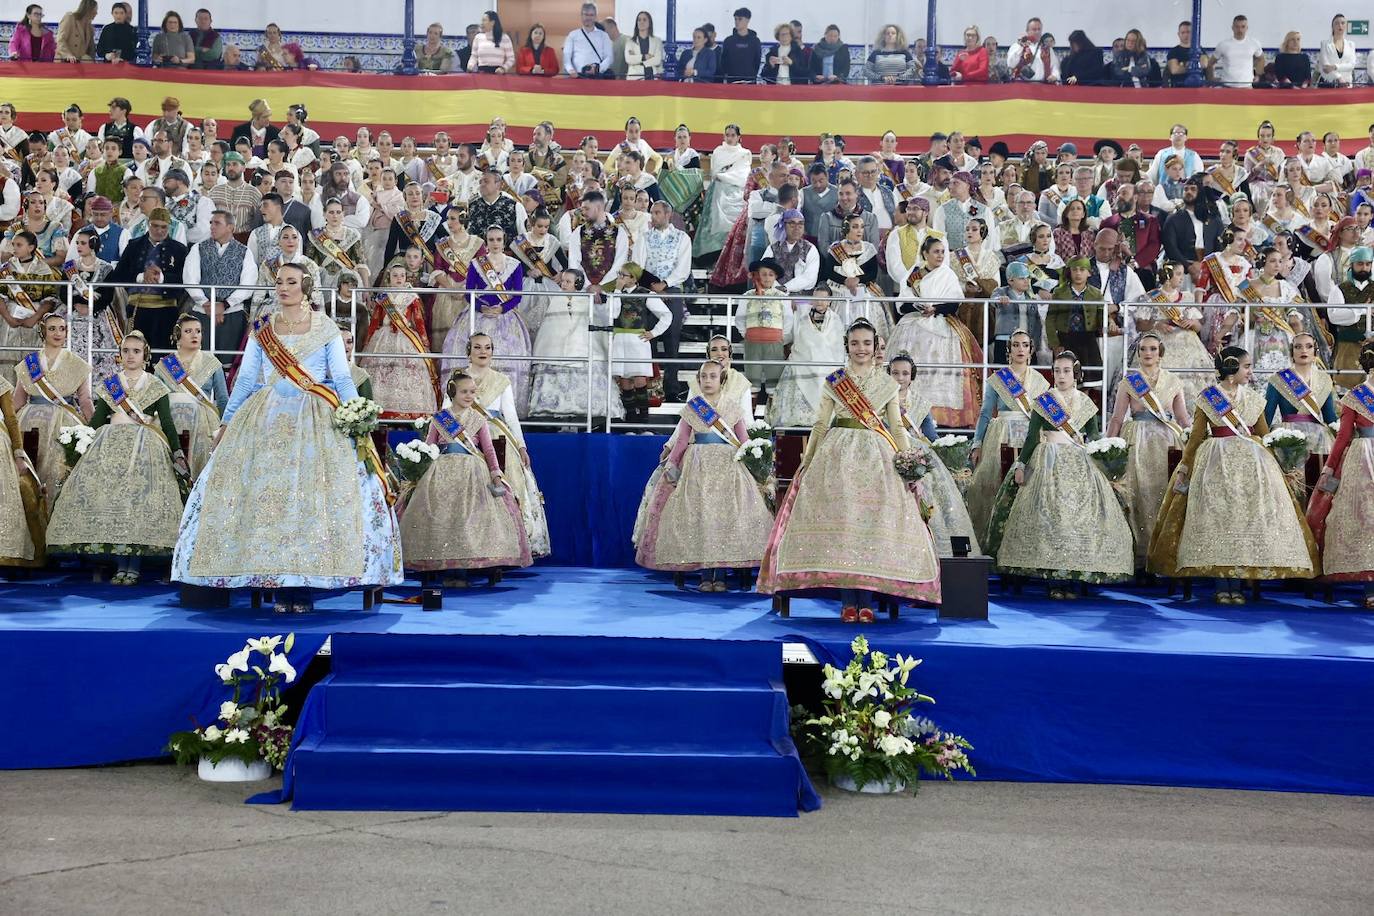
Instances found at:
x=101 y=211
x=187 y=206
x=1332 y=267
x=1017 y=309
x=120 y=128
x=1106 y=154
x=1075 y=319
x=637 y=317
x=764 y=319
x=1178 y=146
x=1036 y=172
x=799 y=259
x=151 y=200
x=741 y=51
x=1349 y=308
x=173 y=123
x=238 y=196
x=953 y=215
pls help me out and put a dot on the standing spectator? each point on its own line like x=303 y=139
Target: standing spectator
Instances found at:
x=259 y=131
x=31 y=39
x=1336 y=61
x=919 y=60
x=1023 y=54
x=535 y=57
x=278 y=54
x=1238 y=59
x=1178 y=146
x=465 y=52
x=587 y=52
x=1292 y=67
x=434 y=56
x=172 y=47
x=118 y=40
x=208 y=44
x=618 y=42
x=971 y=63
x=889 y=61
x=741 y=50
x=830 y=58
x=700 y=62
x=237 y=196
x=643 y=51
x=1133 y=65
x=492 y=51
x=1083 y=66
x=76 y=33
x=1177 y=62
x=998 y=71
x=120 y=128
x=784 y=66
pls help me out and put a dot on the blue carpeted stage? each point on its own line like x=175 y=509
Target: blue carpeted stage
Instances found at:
x=1128 y=687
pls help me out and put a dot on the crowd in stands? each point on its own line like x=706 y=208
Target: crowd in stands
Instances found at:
x=598 y=49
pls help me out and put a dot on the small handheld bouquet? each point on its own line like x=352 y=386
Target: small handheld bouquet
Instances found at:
x=410 y=460
x=1110 y=454
x=953 y=451
x=912 y=464
x=757 y=457
x=760 y=429
x=357 y=417
x=1289 y=447
x=75 y=441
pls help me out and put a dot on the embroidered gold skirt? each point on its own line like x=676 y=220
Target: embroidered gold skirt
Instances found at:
x=1349 y=542
x=23 y=516
x=1146 y=478
x=1007 y=428
x=48 y=419
x=452 y=520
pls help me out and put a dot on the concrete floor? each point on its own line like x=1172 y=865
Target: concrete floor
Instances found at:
x=151 y=839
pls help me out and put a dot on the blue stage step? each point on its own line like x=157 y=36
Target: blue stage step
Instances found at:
x=574 y=724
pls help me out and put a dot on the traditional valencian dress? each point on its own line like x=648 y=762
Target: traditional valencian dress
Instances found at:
x=453 y=260
x=1184 y=351
x=950 y=518
x=285 y=501
x=23 y=517
x=724 y=197
x=122 y=498
x=1306 y=405
x=1343 y=523
x=939 y=340
x=798 y=392
x=1064 y=523
x=52 y=393
x=336 y=255
x=198 y=397
x=1237 y=518
x=559 y=389
x=848 y=521
x=509 y=334
x=496 y=395
x=712 y=516
x=1150 y=431
x=93 y=331
x=406 y=387
x=453 y=520
x=1005 y=417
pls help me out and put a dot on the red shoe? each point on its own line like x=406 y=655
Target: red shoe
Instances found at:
x=866 y=615
x=849 y=615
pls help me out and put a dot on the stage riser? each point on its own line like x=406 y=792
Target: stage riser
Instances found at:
x=468 y=713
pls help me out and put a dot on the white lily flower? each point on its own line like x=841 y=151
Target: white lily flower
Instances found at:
x=239 y=660
x=280 y=665
x=265 y=644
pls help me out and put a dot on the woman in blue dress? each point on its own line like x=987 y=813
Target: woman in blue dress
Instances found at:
x=285 y=502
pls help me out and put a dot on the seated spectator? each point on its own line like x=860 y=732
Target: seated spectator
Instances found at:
x=535 y=57
x=1083 y=66
x=1336 y=61
x=644 y=51
x=741 y=50
x=784 y=64
x=172 y=47
x=76 y=33
x=233 y=59
x=1238 y=59
x=1292 y=67
x=1177 y=62
x=118 y=40
x=258 y=131
x=492 y=51
x=889 y=62
x=698 y=64
x=971 y=63
x=1133 y=65
x=208 y=44
x=31 y=39
x=830 y=58
x=433 y=56
x=587 y=51
x=998 y=71
x=278 y=55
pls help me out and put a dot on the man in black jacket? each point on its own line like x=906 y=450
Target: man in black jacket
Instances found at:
x=741 y=51
x=1192 y=230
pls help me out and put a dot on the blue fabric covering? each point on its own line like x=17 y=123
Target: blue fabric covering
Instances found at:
x=1124 y=687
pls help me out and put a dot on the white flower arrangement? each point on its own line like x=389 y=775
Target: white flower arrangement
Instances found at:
x=1110 y=453
x=357 y=416
x=75 y=442
x=1289 y=447
x=949 y=440
x=868 y=732
x=759 y=429
x=1284 y=438
x=246 y=731
x=757 y=457
x=413 y=458
x=421 y=422
x=1110 y=443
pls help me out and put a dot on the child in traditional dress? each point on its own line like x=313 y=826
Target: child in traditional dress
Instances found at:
x=631 y=305
x=461 y=515
x=707 y=512
x=765 y=321
x=405 y=383
x=817 y=337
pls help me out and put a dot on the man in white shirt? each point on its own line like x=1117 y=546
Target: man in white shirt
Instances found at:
x=877 y=198
x=1178 y=146
x=155 y=168
x=588 y=51
x=224 y=262
x=800 y=260
x=1239 y=58
x=667 y=261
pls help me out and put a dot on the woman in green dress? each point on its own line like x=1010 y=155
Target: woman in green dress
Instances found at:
x=122 y=499
x=198 y=392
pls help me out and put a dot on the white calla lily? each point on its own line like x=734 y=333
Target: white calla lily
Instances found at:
x=280 y=665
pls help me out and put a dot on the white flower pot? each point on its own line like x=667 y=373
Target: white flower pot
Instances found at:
x=846 y=782
x=233 y=770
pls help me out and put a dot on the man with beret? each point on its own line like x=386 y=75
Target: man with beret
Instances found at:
x=238 y=197
x=101 y=211
x=1351 y=323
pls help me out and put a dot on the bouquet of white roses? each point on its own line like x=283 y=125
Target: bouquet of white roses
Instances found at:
x=357 y=417
x=1110 y=454
x=757 y=457
x=760 y=429
x=1289 y=447
x=868 y=733
x=953 y=451
x=75 y=441
x=411 y=459
x=252 y=730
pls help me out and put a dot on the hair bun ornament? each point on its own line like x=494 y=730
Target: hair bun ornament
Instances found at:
x=1229 y=361
x=860 y=324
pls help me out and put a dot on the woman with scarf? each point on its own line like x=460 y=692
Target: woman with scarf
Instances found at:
x=830 y=58
x=730 y=174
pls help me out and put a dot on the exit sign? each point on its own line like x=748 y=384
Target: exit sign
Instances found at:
x=1357 y=26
